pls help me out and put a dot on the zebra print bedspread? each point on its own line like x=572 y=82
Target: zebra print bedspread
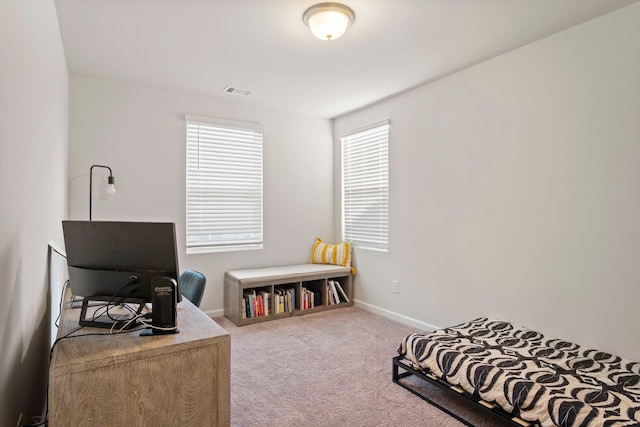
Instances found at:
x=537 y=378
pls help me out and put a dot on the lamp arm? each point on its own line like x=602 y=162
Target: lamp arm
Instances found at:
x=91 y=183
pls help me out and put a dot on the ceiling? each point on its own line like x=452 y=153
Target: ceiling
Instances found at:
x=263 y=46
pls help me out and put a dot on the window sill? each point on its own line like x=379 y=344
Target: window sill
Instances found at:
x=231 y=248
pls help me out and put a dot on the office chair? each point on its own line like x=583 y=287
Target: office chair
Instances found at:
x=192 y=285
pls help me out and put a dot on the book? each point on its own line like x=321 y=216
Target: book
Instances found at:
x=344 y=295
x=279 y=301
x=282 y=300
x=250 y=296
x=266 y=302
x=335 y=291
x=330 y=297
x=307 y=299
x=292 y=299
x=317 y=298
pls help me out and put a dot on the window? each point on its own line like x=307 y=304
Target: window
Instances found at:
x=224 y=185
x=365 y=187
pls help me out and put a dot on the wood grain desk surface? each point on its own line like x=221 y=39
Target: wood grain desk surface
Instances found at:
x=90 y=348
x=97 y=378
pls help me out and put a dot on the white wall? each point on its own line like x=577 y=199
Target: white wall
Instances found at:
x=33 y=197
x=139 y=131
x=514 y=190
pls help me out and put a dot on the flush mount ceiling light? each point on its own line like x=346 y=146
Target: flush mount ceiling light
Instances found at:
x=328 y=21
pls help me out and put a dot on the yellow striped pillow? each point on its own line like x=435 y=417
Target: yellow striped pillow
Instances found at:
x=324 y=253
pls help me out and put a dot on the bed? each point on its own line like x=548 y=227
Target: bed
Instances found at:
x=522 y=375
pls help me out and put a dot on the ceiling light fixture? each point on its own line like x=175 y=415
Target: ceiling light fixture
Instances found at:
x=328 y=21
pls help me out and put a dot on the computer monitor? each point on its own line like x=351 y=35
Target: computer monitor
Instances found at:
x=114 y=262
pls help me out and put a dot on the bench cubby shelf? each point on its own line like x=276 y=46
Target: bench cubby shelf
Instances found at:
x=271 y=280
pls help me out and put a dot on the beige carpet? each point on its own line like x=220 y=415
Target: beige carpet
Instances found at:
x=329 y=369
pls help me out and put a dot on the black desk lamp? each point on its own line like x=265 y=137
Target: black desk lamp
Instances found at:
x=111 y=188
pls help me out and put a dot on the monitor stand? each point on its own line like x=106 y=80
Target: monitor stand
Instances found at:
x=148 y=332
x=104 y=321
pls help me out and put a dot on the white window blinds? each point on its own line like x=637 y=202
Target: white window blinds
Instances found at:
x=365 y=187
x=224 y=185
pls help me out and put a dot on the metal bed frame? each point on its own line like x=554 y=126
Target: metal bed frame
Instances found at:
x=432 y=379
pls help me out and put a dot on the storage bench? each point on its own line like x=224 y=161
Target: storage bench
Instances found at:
x=261 y=294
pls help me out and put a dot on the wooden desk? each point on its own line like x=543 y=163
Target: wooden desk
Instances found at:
x=167 y=380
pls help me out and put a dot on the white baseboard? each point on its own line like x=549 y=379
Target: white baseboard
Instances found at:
x=395 y=316
x=369 y=307
x=215 y=313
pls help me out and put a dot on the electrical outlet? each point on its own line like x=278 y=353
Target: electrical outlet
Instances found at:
x=395 y=286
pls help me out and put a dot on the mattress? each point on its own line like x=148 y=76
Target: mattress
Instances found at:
x=537 y=378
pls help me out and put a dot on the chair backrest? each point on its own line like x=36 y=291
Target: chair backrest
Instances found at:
x=192 y=285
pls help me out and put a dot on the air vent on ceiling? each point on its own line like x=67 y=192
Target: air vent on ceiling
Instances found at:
x=237 y=91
